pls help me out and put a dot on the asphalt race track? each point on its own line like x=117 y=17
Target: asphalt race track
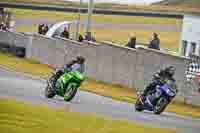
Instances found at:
x=17 y=86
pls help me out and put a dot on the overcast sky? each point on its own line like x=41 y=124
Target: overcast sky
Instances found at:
x=122 y=1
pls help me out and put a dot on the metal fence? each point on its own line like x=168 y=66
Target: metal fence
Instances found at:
x=192 y=80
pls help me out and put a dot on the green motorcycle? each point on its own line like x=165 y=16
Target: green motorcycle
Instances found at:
x=65 y=86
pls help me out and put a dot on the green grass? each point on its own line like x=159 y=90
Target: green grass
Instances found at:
x=60 y=16
x=27 y=28
x=116 y=92
x=180 y=2
x=24 y=65
x=18 y=117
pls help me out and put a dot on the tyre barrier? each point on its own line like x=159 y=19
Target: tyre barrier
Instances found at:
x=4 y=47
x=17 y=51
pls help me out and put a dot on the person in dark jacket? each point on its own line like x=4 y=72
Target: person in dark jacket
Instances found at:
x=80 y=38
x=132 y=42
x=65 y=33
x=155 y=42
x=89 y=37
x=160 y=77
x=46 y=28
x=3 y=27
x=43 y=29
x=40 y=27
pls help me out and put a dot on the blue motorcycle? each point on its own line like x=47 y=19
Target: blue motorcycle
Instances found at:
x=156 y=101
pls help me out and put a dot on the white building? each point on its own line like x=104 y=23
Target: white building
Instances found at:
x=190 y=40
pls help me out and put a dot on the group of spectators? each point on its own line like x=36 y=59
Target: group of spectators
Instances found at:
x=3 y=27
x=87 y=37
x=153 y=44
x=43 y=28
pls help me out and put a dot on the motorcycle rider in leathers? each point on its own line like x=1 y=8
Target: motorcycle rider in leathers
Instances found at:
x=77 y=64
x=163 y=76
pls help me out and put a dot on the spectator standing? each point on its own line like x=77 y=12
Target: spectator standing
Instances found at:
x=155 y=42
x=46 y=28
x=80 y=38
x=43 y=30
x=40 y=27
x=132 y=42
x=65 y=33
x=12 y=26
x=88 y=37
x=4 y=27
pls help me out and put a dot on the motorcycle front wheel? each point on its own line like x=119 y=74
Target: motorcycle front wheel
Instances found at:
x=138 y=105
x=70 y=91
x=48 y=92
x=160 y=105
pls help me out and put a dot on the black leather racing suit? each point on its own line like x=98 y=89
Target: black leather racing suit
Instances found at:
x=159 y=78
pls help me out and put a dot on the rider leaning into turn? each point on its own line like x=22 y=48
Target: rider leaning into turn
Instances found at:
x=77 y=64
x=163 y=76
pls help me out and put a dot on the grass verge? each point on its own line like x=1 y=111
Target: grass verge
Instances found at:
x=114 y=91
x=18 y=117
x=98 y=18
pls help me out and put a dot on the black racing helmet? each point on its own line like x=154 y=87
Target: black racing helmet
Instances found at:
x=170 y=70
x=80 y=59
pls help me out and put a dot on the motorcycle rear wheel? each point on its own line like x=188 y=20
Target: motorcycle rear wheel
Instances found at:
x=70 y=91
x=160 y=105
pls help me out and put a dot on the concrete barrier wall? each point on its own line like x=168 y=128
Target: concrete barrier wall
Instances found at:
x=20 y=40
x=6 y=38
x=105 y=62
x=72 y=49
x=119 y=63
x=45 y=50
x=13 y=39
